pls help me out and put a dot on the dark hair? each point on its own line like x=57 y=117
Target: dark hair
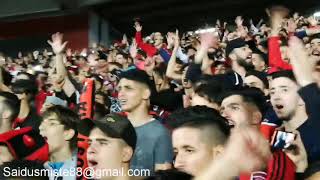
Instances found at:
x=217 y=130
x=140 y=77
x=30 y=166
x=197 y=113
x=106 y=99
x=250 y=95
x=13 y=105
x=25 y=86
x=7 y=77
x=210 y=91
x=260 y=75
x=125 y=56
x=286 y=74
x=100 y=111
x=171 y=174
x=66 y=117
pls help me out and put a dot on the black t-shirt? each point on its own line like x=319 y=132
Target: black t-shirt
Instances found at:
x=310 y=130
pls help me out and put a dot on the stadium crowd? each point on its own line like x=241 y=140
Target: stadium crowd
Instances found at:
x=236 y=103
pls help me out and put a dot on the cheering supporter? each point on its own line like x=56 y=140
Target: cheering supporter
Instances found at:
x=59 y=128
x=154 y=147
x=168 y=89
x=112 y=142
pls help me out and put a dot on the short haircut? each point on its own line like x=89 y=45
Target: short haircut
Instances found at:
x=250 y=95
x=31 y=166
x=286 y=74
x=66 y=117
x=210 y=91
x=138 y=76
x=260 y=75
x=214 y=132
x=213 y=126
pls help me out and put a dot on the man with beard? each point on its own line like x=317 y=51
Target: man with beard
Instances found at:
x=315 y=47
x=240 y=55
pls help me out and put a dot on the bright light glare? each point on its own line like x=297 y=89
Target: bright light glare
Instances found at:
x=201 y=31
x=317 y=14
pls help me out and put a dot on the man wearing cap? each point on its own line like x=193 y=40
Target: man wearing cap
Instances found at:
x=112 y=141
x=154 y=148
x=240 y=55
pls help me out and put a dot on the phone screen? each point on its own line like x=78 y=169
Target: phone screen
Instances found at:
x=282 y=139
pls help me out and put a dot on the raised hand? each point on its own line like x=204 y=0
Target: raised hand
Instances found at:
x=137 y=26
x=301 y=62
x=57 y=43
x=312 y=21
x=291 y=25
x=170 y=39
x=209 y=40
x=247 y=145
x=238 y=21
x=133 y=49
x=176 y=40
x=124 y=39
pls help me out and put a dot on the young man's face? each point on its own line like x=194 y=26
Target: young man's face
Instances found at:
x=315 y=49
x=120 y=59
x=284 y=97
x=253 y=81
x=158 y=39
x=54 y=132
x=192 y=154
x=105 y=152
x=131 y=94
x=244 y=53
x=236 y=111
x=258 y=63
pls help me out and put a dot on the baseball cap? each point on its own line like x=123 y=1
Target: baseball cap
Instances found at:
x=233 y=44
x=113 y=125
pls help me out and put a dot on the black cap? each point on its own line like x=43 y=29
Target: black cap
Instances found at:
x=233 y=44
x=113 y=125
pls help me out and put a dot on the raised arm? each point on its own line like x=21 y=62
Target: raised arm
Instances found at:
x=58 y=47
x=172 y=62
